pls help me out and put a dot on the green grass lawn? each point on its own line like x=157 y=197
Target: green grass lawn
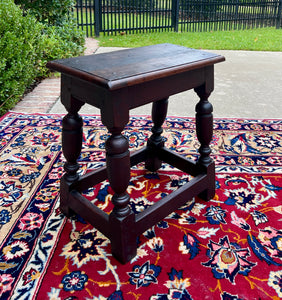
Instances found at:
x=261 y=39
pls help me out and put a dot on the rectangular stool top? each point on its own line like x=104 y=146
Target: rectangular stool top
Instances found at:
x=128 y=67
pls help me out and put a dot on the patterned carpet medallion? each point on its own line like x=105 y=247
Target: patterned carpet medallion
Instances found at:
x=227 y=248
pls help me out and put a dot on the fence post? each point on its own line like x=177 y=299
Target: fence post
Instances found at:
x=97 y=17
x=175 y=15
x=279 y=12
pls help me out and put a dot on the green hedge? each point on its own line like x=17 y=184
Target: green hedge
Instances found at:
x=25 y=47
x=51 y=12
x=61 y=41
x=20 y=48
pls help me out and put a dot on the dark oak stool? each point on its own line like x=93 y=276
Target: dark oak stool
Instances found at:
x=115 y=83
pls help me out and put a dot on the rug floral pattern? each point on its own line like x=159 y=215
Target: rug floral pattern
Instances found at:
x=227 y=248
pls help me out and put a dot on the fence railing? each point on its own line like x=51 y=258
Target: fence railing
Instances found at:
x=133 y=16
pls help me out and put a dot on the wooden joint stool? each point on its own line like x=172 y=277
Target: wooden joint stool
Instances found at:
x=115 y=83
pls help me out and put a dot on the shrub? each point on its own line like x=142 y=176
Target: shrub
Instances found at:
x=61 y=37
x=51 y=12
x=20 y=48
x=26 y=44
x=60 y=42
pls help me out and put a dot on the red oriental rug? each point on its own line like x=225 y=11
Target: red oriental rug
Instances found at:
x=227 y=248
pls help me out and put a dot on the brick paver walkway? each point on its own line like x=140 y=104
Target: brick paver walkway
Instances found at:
x=42 y=98
x=44 y=95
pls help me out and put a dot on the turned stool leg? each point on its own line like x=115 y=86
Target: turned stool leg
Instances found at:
x=71 y=145
x=204 y=129
x=122 y=219
x=159 y=111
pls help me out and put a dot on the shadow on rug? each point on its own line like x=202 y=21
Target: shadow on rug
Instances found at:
x=227 y=248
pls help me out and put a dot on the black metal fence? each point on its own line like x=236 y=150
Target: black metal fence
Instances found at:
x=133 y=16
